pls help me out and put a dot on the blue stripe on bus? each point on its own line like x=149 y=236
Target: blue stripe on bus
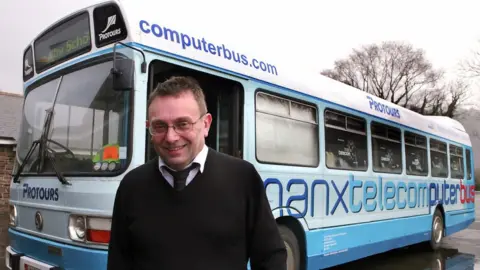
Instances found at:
x=353 y=243
x=72 y=257
x=456 y=221
x=418 y=227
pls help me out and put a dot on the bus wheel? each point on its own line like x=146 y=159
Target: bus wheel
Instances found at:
x=293 y=249
x=437 y=230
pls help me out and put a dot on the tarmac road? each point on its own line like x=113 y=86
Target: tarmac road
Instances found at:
x=459 y=251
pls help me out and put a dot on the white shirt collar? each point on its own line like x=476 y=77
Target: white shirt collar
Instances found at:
x=201 y=158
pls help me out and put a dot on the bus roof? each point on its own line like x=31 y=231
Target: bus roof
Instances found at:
x=177 y=35
x=153 y=28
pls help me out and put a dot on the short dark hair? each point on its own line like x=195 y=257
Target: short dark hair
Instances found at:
x=176 y=85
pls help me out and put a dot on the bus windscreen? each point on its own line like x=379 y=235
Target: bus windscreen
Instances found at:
x=62 y=42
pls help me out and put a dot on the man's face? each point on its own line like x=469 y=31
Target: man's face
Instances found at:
x=178 y=147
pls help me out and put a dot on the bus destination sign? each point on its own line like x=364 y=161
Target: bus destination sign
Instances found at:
x=64 y=41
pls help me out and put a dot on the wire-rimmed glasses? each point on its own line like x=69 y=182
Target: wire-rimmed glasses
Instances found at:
x=159 y=128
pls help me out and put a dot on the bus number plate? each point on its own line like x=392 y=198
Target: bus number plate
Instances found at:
x=29 y=267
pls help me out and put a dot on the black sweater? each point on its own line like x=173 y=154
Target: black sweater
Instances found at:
x=218 y=222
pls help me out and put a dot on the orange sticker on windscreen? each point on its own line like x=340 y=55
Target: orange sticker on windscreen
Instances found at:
x=110 y=153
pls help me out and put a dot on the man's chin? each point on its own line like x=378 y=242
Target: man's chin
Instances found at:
x=174 y=161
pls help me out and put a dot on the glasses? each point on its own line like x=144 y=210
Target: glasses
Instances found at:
x=182 y=127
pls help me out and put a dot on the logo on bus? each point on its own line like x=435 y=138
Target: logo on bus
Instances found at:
x=28 y=69
x=383 y=108
x=38 y=221
x=111 y=21
x=372 y=196
x=40 y=193
x=28 y=64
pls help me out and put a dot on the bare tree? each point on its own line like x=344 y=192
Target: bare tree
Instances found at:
x=470 y=67
x=445 y=100
x=401 y=74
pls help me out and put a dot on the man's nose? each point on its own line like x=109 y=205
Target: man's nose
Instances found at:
x=171 y=135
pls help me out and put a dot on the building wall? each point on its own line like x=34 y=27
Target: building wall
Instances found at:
x=7 y=156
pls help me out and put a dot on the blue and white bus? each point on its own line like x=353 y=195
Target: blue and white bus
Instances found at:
x=347 y=174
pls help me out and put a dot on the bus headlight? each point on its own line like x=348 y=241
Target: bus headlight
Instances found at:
x=94 y=230
x=77 y=227
x=13 y=215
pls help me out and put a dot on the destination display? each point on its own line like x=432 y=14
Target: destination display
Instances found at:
x=64 y=41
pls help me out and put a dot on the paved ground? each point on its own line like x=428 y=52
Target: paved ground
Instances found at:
x=467 y=242
x=459 y=251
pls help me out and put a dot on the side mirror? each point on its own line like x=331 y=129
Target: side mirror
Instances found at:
x=122 y=74
x=124 y=68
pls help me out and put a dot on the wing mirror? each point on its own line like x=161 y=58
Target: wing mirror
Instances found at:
x=123 y=70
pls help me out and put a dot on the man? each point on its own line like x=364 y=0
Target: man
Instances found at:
x=216 y=216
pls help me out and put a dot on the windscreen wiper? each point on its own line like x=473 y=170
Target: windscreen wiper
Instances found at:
x=34 y=145
x=25 y=161
x=42 y=143
x=45 y=154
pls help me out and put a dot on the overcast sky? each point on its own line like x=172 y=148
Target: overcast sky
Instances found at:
x=312 y=33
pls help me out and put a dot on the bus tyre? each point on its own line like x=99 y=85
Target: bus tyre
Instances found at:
x=293 y=249
x=437 y=230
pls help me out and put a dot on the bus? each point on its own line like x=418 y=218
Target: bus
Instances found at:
x=347 y=174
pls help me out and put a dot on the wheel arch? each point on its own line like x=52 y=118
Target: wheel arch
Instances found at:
x=298 y=226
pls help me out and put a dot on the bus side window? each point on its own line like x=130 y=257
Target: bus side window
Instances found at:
x=416 y=154
x=345 y=142
x=456 y=162
x=286 y=131
x=469 y=164
x=386 y=148
x=439 y=160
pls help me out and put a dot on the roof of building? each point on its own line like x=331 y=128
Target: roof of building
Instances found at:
x=10 y=115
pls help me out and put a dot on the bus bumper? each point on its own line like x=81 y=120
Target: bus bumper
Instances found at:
x=45 y=254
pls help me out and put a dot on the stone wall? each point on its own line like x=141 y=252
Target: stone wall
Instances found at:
x=7 y=156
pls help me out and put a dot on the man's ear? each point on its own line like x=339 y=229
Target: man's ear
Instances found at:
x=207 y=122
